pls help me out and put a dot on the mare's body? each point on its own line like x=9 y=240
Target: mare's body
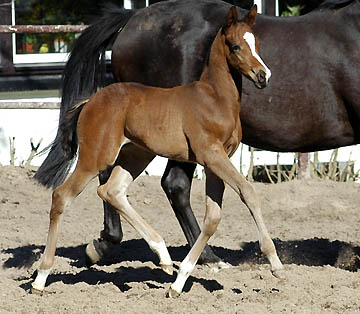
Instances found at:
x=312 y=103
x=314 y=94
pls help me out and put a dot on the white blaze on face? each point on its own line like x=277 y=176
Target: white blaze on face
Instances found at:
x=250 y=39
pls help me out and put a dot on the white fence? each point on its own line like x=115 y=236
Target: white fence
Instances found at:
x=25 y=124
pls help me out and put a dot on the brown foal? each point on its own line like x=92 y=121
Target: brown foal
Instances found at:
x=198 y=122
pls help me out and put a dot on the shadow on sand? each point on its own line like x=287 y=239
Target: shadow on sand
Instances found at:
x=311 y=252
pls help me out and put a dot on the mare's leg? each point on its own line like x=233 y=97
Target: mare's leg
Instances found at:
x=217 y=160
x=214 y=196
x=112 y=233
x=115 y=193
x=60 y=198
x=176 y=182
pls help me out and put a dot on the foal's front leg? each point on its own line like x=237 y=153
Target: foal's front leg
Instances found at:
x=220 y=164
x=214 y=196
x=176 y=183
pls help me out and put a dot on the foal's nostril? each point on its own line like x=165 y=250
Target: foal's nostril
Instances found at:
x=261 y=76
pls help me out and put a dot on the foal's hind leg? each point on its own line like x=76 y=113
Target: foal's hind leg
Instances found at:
x=60 y=198
x=110 y=235
x=218 y=161
x=114 y=192
x=138 y=158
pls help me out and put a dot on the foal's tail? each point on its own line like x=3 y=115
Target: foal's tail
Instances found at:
x=84 y=73
x=68 y=138
x=67 y=143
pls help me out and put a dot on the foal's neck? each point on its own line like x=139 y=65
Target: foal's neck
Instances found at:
x=216 y=71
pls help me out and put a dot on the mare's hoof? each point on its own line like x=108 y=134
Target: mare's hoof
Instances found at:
x=167 y=269
x=96 y=250
x=91 y=254
x=208 y=257
x=215 y=268
x=172 y=293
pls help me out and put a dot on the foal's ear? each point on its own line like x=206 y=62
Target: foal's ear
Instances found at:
x=232 y=16
x=249 y=19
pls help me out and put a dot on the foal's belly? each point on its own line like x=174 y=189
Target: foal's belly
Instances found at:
x=166 y=146
x=160 y=133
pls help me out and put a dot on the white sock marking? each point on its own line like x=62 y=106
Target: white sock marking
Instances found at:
x=185 y=270
x=39 y=283
x=162 y=251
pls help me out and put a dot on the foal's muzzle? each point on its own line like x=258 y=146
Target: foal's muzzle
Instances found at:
x=261 y=81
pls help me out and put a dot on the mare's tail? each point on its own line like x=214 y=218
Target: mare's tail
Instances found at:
x=83 y=74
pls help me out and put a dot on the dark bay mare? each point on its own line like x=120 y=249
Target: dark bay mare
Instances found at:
x=312 y=102
x=198 y=123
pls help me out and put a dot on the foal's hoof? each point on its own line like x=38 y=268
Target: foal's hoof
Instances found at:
x=36 y=291
x=40 y=292
x=279 y=274
x=172 y=293
x=167 y=269
x=91 y=255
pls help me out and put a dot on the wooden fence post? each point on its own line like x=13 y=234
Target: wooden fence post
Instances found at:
x=304 y=166
x=251 y=167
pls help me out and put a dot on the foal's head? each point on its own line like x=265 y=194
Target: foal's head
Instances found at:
x=242 y=47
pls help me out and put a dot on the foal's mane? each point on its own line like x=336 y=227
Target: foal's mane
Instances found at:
x=335 y=4
x=207 y=58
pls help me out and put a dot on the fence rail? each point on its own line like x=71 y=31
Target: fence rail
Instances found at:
x=19 y=29
x=29 y=105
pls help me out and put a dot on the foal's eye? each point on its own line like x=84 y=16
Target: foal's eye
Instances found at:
x=235 y=48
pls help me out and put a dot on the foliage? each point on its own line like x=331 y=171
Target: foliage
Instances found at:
x=49 y=12
x=293 y=11
x=30 y=39
x=56 y=12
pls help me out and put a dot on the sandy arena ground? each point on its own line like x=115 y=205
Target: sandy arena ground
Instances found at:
x=315 y=224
